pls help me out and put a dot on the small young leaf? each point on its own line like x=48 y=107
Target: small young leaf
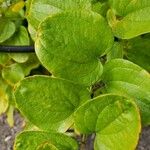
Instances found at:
x=20 y=38
x=4 y=58
x=125 y=78
x=38 y=140
x=50 y=108
x=7 y=29
x=113 y=118
x=30 y=64
x=71 y=50
x=13 y=73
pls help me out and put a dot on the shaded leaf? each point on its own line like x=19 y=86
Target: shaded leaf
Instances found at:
x=138 y=51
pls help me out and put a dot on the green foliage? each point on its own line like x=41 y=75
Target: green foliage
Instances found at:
x=125 y=78
x=112 y=118
x=56 y=102
x=38 y=140
x=84 y=77
x=82 y=44
x=133 y=20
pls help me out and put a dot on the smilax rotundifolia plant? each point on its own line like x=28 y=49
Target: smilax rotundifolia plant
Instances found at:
x=97 y=53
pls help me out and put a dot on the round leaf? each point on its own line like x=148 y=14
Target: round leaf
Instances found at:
x=13 y=73
x=69 y=45
x=114 y=119
x=50 y=108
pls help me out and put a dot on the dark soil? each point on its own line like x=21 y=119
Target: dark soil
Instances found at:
x=7 y=134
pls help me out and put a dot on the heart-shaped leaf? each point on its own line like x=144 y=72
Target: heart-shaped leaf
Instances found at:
x=38 y=140
x=115 y=120
x=69 y=45
x=125 y=78
x=50 y=108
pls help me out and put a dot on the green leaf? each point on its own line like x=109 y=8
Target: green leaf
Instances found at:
x=50 y=108
x=3 y=96
x=138 y=51
x=38 y=140
x=12 y=73
x=10 y=116
x=72 y=51
x=100 y=8
x=7 y=29
x=134 y=24
x=115 y=52
x=38 y=10
x=122 y=8
x=125 y=78
x=115 y=120
x=20 y=38
x=135 y=18
x=30 y=64
x=4 y=58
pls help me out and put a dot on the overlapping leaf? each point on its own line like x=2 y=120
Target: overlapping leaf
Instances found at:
x=125 y=78
x=69 y=45
x=114 y=119
x=50 y=102
x=115 y=52
x=38 y=10
x=135 y=18
x=138 y=51
x=13 y=73
x=38 y=140
x=7 y=29
x=20 y=38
